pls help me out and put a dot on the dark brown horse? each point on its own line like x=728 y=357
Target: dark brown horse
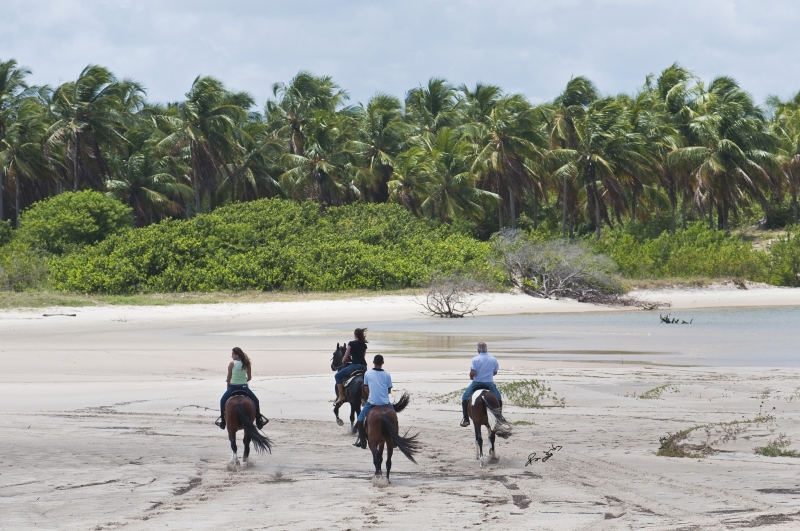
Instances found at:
x=382 y=430
x=240 y=413
x=487 y=411
x=352 y=391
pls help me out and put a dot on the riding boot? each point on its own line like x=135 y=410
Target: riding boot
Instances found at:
x=465 y=420
x=221 y=420
x=261 y=420
x=340 y=389
x=361 y=442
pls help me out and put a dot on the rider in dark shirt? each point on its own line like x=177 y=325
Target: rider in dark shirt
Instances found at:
x=356 y=351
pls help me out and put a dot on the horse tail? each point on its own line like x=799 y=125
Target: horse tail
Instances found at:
x=497 y=423
x=407 y=445
x=260 y=442
x=401 y=404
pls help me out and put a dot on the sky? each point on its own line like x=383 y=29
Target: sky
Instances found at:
x=531 y=47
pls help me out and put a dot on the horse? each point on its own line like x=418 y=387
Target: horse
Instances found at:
x=240 y=413
x=382 y=430
x=352 y=392
x=485 y=410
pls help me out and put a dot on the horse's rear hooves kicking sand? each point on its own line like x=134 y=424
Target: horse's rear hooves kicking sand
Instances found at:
x=484 y=410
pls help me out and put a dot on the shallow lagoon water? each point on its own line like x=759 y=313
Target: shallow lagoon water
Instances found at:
x=763 y=337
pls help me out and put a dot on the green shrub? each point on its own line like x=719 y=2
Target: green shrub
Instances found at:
x=21 y=267
x=785 y=259
x=272 y=245
x=67 y=221
x=5 y=232
x=696 y=251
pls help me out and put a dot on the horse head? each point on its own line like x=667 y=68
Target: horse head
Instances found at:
x=338 y=356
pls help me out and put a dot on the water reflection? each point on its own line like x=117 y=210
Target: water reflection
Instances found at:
x=729 y=337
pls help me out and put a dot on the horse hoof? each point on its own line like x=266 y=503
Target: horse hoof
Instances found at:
x=482 y=463
x=340 y=422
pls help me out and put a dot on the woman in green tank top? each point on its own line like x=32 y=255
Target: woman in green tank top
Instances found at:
x=240 y=371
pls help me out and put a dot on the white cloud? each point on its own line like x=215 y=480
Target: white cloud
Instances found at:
x=532 y=47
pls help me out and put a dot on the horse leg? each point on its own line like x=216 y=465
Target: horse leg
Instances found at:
x=376 y=459
x=234 y=457
x=378 y=471
x=336 y=407
x=246 y=441
x=355 y=409
x=492 y=437
x=389 y=450
x=478 y=442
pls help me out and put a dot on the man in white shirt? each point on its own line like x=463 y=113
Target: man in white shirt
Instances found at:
x=378 y=384
x=482 y=371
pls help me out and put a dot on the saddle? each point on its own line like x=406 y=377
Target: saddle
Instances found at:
x=353 y=376
x=238 y=392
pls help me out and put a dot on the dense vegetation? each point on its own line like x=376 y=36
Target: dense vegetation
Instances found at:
x=269 y=245
x=383 y=193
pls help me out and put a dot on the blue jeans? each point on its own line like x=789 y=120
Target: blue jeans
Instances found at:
x=474 y=386
x=342 y=374
x=363 y=414
x=231 y=389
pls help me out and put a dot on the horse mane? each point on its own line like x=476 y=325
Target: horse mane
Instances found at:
x=401 y=404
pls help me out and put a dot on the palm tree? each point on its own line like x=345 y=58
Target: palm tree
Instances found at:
x=90 y=114
x=381 y=132
x=505 y=146
x=324 y=171
x=569 y=106
x=476 y=105
x=452 y=192
x=411 y=178
x=207 y=123
x=251 y=175
x=785 y=127
x=733 y=158
x=21 y=154
x=432 y=107
x=12 y=88
x=605 y=148
x=297 y=105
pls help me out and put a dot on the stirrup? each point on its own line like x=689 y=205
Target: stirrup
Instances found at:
x=464 y=422
x=261 y=421
x=220 y=423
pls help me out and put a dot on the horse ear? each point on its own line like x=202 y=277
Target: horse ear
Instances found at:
x=337 y=346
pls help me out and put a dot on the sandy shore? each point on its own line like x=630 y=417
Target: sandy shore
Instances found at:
x=106 y=422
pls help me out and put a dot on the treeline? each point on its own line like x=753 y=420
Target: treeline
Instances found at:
x=676 y=150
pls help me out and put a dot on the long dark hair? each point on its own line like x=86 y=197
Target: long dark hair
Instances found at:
x=360 y=334
x=243 y=358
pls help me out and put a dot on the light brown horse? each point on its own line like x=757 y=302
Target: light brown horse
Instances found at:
x=487 y=411
x=240 y=413
x=382 y=430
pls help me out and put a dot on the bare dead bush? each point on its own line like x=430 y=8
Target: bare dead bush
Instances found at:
x=452 y=296
x=562 y=269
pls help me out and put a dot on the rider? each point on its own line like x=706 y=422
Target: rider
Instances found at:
x=378 y=383
x=482 y=371
x=239 y=373
x=356 y=351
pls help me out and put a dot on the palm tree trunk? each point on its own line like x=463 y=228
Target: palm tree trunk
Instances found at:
x=564 y=211
x=710 y=211
x=633 y=205
x=535 y=209
x=511 y=210
x=75 y=164
x=500 y=215
x=16 y=201
x=1 y=198
x=794 y=205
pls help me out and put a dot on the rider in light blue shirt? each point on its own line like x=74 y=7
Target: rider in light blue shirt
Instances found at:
x=482 y=371
x=378 y=383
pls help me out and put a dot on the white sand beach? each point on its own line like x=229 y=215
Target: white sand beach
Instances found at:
x=107 y=423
